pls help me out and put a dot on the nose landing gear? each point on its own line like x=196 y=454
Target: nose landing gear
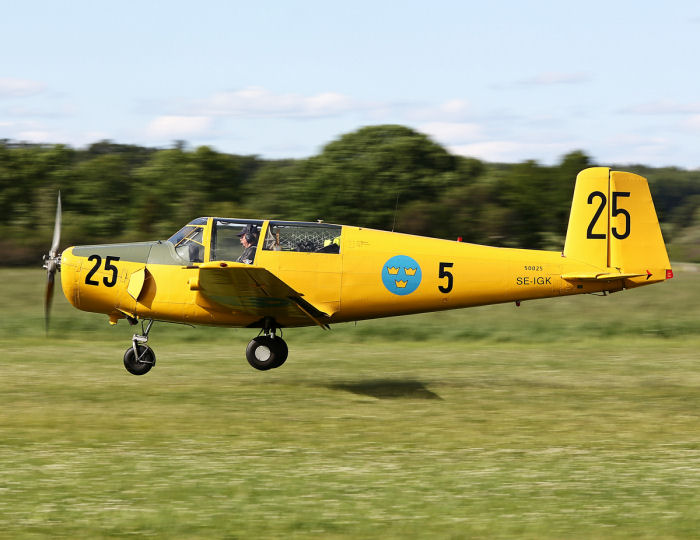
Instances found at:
x=140 y=358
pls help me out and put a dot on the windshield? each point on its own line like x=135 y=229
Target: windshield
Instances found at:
x=189 y=242
x=179 y=235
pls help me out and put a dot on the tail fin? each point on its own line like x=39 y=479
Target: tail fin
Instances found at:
x=613 y=226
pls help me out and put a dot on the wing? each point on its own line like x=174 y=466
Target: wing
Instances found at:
x=257 y=291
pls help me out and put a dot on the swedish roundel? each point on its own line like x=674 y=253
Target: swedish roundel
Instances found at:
x=401 y=275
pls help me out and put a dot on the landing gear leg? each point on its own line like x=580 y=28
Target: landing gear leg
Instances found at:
x=140 y=358
x=268 y=351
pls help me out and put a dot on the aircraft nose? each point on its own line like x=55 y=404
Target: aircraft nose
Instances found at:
x=70 y=268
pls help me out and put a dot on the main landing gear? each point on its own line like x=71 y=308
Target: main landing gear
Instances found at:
x=140 y=358
x=267 y=351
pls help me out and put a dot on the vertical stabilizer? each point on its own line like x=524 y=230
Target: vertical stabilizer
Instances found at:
x=613 y=226
x=586 y=237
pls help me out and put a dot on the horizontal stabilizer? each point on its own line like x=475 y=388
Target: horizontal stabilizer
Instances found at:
x=604 y=276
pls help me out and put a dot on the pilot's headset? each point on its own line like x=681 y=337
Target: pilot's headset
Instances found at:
x=250 y=234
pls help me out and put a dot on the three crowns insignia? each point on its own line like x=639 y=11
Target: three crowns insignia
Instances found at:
x=410 y=273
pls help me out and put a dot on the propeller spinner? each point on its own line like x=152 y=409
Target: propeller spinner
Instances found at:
x=52 y=263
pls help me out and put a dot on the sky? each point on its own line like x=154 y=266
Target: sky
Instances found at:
x=500 y=81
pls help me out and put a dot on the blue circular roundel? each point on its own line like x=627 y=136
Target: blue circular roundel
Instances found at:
x=401 y=275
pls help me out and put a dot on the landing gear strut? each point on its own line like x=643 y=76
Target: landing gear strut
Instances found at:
x=140 y=358
x=267 y=351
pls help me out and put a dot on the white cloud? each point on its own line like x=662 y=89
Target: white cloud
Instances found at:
x=633 y=148
x=693 y=122
x=454 y=107
x=452 y=110
x=452 y=132
x=14 y=88
x=511 y=151
x=178 y=127
x=553 y=77
x=36 y=136
x=662 y=107
x=22 y=125
x=257 y=102
x=60 y=111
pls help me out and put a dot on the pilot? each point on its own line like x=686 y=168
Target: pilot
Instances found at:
x=249 y=240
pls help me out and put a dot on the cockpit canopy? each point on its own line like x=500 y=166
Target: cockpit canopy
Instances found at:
x=189 y=242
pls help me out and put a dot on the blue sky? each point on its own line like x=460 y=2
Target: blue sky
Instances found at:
x=501 y=81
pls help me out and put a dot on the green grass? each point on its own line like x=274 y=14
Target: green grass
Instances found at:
x=565 y=418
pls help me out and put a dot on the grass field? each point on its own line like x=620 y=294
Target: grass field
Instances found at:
x=565 y=418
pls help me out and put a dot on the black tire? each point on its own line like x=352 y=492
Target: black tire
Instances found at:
x=141 y=366
x=281 y=352
x=265 y=352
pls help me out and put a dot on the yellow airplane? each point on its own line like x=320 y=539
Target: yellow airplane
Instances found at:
x=272 y=275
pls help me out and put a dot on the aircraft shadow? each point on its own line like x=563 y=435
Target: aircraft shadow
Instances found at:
x=387 y=389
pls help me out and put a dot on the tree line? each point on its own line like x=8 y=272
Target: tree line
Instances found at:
x=386 y=177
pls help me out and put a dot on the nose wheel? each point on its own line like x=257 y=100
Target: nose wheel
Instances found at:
x=268 y=351
x=140 y=358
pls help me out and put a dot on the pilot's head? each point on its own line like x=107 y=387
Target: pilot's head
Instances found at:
x=249 y=235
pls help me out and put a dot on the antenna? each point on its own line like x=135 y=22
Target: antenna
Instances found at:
x=396 y=209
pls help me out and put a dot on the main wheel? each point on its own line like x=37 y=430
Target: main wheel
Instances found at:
x=141 y=365
x=265 y=352
x=281 y=352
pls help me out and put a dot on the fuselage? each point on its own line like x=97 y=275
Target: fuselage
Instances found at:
x=347 y=273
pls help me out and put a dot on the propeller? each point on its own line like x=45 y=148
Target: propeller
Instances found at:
x=52 y=263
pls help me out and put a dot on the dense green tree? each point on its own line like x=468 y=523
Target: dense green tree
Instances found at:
x=473 y=212
x=562 y=189
x=380 y=176
x=104 y=204
x=168 y=194
x=275 y=188
x=221 y=176
x=357 y=178
x=526 y=190
x=133 y=154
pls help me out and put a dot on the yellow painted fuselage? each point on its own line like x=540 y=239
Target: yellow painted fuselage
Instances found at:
x=373 y=274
